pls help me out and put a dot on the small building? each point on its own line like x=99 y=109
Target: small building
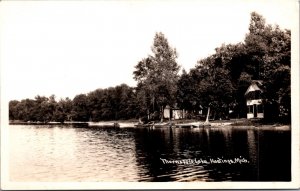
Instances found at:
x=173 y=113
x=254 y=100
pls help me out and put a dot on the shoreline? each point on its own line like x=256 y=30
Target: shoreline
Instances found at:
x=217 y=124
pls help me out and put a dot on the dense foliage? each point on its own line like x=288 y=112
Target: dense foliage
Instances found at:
x=102 y=104
x=218 y=82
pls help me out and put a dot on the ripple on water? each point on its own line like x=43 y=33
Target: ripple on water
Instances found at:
x=100 y=154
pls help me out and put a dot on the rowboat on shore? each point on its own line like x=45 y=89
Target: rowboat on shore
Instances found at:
x=155 y=125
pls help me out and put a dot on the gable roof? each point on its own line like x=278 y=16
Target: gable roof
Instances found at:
x=254 y=86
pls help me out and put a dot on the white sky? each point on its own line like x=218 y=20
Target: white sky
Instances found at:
x=72 y=47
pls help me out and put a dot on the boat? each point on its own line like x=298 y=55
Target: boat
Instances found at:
x=193 y=125
x=103 y=124
x=127 y=125
x=155 y=125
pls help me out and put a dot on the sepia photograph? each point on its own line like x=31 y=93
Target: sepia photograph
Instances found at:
x=149 y=94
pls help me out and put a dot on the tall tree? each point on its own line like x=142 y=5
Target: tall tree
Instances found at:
x=157 y=75
x=270 y=50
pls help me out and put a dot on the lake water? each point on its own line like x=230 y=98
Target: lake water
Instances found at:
x=81 y=153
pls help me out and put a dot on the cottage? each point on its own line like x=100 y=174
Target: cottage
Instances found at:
x=173 y=113
x=254 y=100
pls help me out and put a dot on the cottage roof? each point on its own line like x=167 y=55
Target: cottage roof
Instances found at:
x=254 y=86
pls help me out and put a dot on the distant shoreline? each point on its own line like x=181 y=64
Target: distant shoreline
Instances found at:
x=44 y=123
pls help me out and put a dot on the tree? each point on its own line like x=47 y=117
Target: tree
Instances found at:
x=112 y=103
x=215 y=88
x=26 y=111
x=96 y=99
x=220 y=80
x=14 y=110
x=63 y=110
x=125 y=107
x=186 y=92
x=240 y=69
x=80 y=110
x=270 y=50
x=157 y=76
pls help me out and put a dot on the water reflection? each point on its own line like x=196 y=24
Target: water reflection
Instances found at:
x=66 y=153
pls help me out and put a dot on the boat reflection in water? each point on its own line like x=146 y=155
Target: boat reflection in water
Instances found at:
x=66 y=153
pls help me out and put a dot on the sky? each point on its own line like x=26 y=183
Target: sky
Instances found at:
x=67 y=48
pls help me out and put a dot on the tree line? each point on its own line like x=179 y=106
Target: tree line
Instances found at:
x=217 y=82
x=222 y=78
x=112 y=103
